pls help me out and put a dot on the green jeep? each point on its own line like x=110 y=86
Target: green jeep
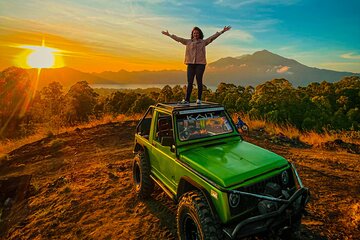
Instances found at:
x=225 y=187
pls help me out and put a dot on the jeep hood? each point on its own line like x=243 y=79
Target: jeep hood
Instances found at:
x=233 y=162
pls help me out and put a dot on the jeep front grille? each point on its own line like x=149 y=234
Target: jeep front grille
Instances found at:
x=248 y=203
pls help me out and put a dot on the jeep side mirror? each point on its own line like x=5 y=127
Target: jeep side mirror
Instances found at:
x=167 y=141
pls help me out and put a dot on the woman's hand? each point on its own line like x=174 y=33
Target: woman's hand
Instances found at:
x=166 y=33
x=226 y=28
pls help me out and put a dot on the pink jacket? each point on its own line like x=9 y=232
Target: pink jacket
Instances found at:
x=195 y=50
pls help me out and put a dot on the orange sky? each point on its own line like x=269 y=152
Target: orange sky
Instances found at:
x=96 y=36
x=78 y=55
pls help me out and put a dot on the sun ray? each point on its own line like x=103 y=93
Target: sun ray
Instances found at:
x=39 y=56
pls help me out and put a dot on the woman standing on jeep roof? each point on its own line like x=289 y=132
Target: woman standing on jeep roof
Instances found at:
x=195 y=57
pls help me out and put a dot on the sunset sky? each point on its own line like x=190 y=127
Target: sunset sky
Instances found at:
x=95 y=36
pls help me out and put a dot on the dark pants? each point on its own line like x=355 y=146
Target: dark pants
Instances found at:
x=192 y=71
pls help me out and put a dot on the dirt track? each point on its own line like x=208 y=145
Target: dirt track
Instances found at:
x=82 y=189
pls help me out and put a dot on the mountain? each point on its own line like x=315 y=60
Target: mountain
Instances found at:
x=250 y=69
x=263 y=66
x=145 y=77
x=66 y=76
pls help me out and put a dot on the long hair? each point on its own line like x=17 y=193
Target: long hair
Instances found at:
x=201 y=33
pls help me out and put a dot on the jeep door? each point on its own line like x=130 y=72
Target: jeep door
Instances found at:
x=162 y=141
x=144 y=131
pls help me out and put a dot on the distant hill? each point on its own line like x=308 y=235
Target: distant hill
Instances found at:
x=147 y=77
x=250 y=69
x=263 y=66
x=66 y=76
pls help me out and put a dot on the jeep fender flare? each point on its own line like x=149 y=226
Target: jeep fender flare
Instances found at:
x=138 y=147
x=187 y=184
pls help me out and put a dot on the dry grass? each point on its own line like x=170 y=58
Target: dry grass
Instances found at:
x=104 y=120
x=317 y=139
x=310 y=137
x=9 y=145
x=313 y=138
x=48 y=130
x=271 y=128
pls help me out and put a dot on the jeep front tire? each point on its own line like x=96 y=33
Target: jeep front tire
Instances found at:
x=144 y=185
x=194 y=219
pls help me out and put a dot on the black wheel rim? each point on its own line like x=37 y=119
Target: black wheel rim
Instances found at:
x=190 y=229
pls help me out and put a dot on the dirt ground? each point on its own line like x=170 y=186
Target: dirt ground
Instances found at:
x=81 y=188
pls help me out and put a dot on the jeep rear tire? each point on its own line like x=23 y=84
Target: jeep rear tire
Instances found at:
x=194 y=219
x=144 y=185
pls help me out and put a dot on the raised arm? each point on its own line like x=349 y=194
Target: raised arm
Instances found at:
x=217 y=34
x=176 y=38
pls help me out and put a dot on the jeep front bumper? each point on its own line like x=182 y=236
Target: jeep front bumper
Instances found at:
x=289 y=212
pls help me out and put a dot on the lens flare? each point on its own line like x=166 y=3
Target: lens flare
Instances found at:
x=41 y=57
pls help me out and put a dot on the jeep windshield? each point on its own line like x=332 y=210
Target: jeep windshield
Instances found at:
x=202 y=123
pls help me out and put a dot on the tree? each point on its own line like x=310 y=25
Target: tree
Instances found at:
x=166 y=94
x=230 y=101
x=354 y=117
x=142 y=104
x=243 y=101
x=178 y=93
x=206 y=93
x=15 y=96
x=223 y=89
x=127 y=102
x=272 y=95
x=52 y=98
x=80 y=102
x=113 y=102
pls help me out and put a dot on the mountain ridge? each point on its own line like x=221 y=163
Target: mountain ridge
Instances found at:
x=248 y=69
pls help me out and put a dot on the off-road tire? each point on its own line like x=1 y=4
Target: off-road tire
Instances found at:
x=143 y=184
x=293 y=233
x=194 y=214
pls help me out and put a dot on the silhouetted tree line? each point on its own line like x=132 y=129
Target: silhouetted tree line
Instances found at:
x=318 y=106
x=315 y=107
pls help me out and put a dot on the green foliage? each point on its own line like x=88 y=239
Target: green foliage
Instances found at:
x=15 y=95
x=178 y=93
x=166 y=94
x=317 y=106
x=79 y=102
x=141 y=104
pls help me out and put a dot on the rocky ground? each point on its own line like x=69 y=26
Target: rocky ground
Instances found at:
x=81 y=188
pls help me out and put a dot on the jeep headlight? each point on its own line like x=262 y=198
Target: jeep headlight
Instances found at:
x=234 y=200
x=285 y=177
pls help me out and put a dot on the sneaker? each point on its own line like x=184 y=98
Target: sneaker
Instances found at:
x=198 y=101
x=184 y=101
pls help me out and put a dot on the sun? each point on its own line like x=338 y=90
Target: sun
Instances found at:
x=41 y=57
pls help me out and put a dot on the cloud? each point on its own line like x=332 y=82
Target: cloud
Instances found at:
x=238 y=4
x=353 y=67
x=238 y=35
x=282 y=69
x=125 y=30
x=350 y=56
x=130 y=31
